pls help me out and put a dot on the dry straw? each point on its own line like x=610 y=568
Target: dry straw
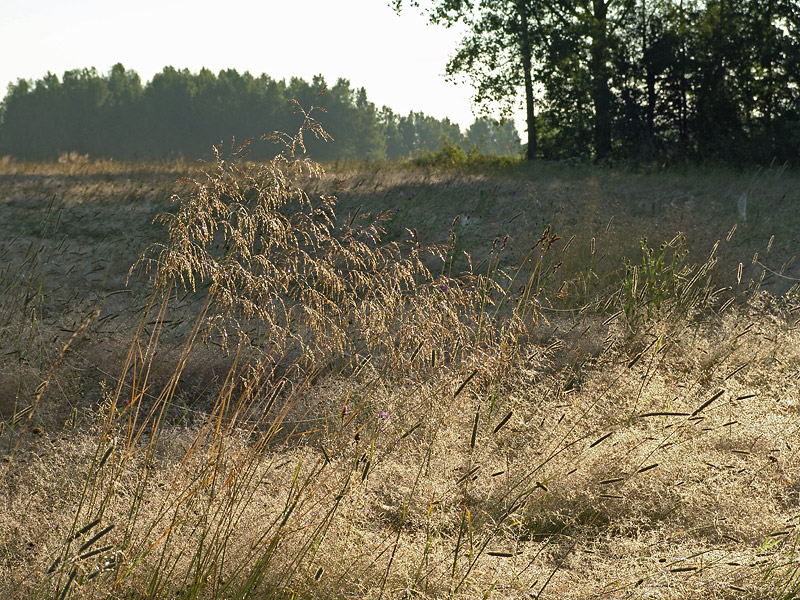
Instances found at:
x=307 y=410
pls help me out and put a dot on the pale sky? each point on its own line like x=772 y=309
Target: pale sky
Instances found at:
x=400 y=60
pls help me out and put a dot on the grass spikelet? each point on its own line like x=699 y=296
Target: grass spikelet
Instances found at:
x=474 y=430
x=503 y=422
x=601 y=439
x=95 y=538
x=705 y=404
x=464 y=383
x=65 y=589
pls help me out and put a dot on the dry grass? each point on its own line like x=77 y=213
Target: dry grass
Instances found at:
x=295 y=405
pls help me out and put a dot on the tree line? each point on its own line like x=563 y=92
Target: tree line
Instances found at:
x=183 y=114
x=636 y=79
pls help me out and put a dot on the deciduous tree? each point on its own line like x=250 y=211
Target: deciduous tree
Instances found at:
x=497 y=52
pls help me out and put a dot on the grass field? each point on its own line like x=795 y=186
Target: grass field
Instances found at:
x=506 y=394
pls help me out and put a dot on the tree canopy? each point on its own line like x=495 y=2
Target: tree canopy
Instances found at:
x=636 y=79
x=180 y=113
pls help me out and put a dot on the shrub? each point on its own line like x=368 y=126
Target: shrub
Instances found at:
x=452 y=155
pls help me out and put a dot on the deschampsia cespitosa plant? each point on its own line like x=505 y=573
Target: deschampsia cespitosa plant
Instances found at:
x=280 y=273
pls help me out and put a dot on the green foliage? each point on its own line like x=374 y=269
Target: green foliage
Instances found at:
x=180 y=113
x=664 y=280
x=451 y=154
x=635 y=80
x=491 y=137
x=496 y=53
x=648 y=284
x=416 y=133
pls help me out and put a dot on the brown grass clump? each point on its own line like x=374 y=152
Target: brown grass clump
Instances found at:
x=305 y=400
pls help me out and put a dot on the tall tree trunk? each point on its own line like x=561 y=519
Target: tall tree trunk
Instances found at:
x=770 y=108
x=525 y=47
x=683 y=117
x=650 y=78
x=651 y=104
x=601 y=91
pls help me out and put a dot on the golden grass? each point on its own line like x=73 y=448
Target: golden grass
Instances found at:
x=296 y=405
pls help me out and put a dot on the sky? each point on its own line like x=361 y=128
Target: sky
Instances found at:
x=399 y=59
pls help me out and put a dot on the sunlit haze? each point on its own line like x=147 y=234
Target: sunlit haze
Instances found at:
x=399 y=59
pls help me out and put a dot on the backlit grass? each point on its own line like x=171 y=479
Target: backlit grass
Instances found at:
x=397 y=381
